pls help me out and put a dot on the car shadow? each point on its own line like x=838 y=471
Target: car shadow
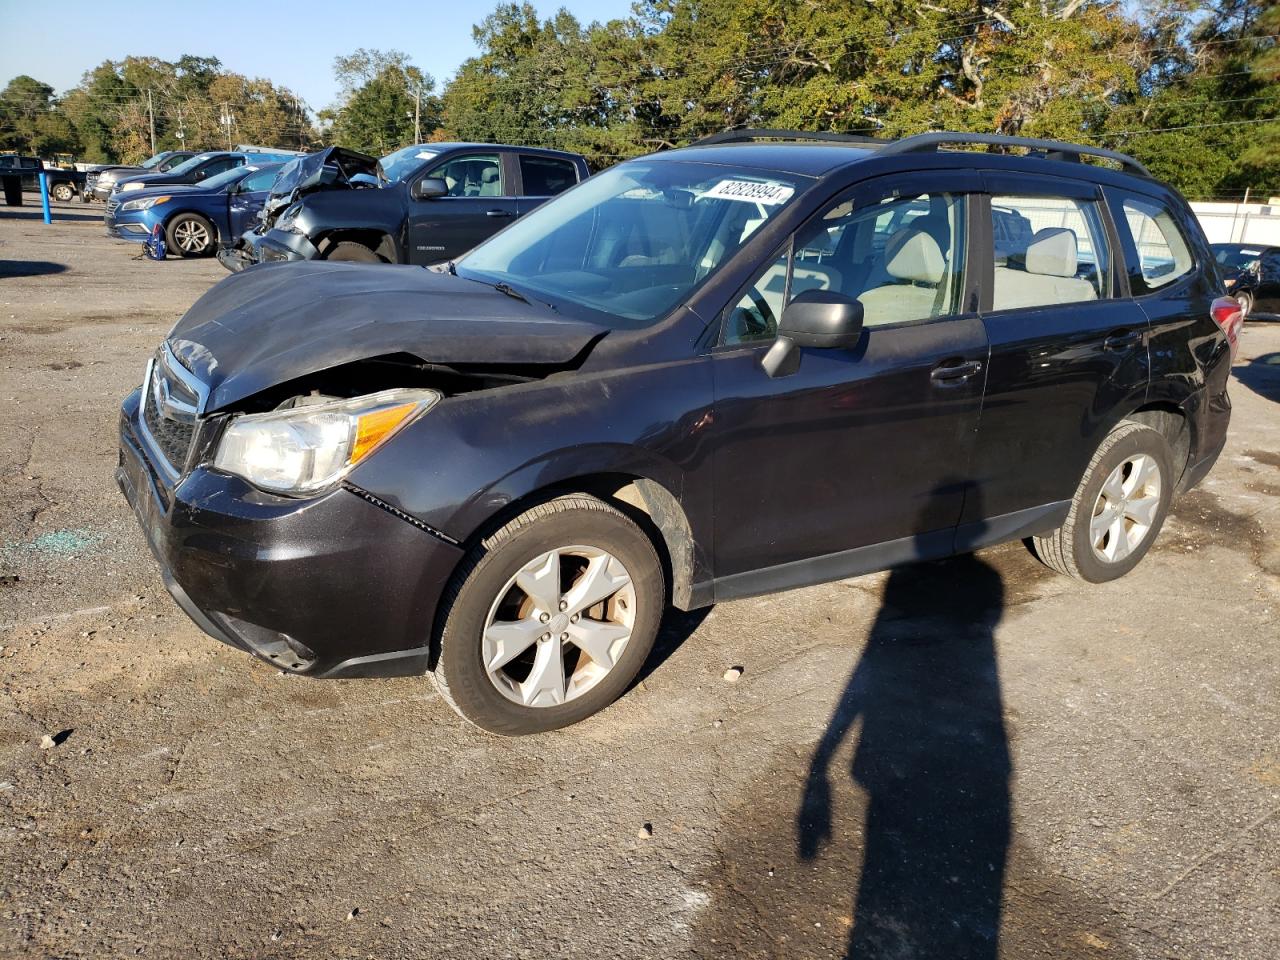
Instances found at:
x=677 y=627
x=1261 y=375
x=30 y=268
x=933 y=761
x=59 y=213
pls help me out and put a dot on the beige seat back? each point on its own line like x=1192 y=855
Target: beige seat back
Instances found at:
x=1052 y=260
x=914 y=256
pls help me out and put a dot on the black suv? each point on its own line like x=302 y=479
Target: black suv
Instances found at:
x=713 y=372
x=434 y=202
x=1252 y=273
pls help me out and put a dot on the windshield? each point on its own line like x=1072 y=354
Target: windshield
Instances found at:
x=634 y=241
x=1237 y=258
x=188 y=165
x=220 y=180
x=396 y=166
x=150 y=162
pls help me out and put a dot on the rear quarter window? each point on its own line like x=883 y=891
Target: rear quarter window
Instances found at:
x=1163 y=253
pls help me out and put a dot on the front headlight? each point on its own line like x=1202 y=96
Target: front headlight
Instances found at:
x=288 y=219
x=130 y=185
x=144 y=203
x=304 y=449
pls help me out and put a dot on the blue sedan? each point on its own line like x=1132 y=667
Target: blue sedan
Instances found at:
x=196 y=218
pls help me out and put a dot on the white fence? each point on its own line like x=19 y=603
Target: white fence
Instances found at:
x=1239 y=222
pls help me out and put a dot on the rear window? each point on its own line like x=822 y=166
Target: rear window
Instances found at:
x=546 y=176
x=1163 y=252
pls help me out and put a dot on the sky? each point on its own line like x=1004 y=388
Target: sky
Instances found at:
x=291 y=44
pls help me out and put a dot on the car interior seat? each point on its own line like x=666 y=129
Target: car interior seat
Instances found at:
x=1050 y=265
x=914 y=261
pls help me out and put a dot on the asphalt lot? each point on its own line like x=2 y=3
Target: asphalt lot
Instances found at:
x=969 y=759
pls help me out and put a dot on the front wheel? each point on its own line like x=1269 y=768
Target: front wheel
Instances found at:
x=549 y=619
x=63 y=192
x=351 y=252
x=190 y=235
x=1117 y=510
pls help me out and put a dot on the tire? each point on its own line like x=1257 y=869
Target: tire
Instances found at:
x=62 y=192
x=1246 y=304
x=483 y=595
x=351 y=252
x=1070 y=549
x=191 y=235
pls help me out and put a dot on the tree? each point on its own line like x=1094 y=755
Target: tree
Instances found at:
x=385 y=104
x=30 y=121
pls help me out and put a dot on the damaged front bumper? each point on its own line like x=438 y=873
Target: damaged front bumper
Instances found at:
x=333 y=586
x=269 y=247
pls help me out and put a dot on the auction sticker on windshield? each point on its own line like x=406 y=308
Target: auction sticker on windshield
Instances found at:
x=768 y=192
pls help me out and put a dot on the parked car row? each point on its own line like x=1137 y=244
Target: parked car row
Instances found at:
x=423 y=204
x=22 y=173
x=1252 y=274
x=719 y=371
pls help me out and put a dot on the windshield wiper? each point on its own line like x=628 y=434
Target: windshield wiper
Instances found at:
x=503 y=287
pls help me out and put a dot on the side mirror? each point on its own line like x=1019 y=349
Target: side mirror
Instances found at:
x=819 y=319
x=429 y=188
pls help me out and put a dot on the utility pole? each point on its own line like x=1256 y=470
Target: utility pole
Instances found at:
x=417 y=114
x=151 y=112
x=227 y=121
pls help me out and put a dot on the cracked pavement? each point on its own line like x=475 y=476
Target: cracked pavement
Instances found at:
x=975 y=758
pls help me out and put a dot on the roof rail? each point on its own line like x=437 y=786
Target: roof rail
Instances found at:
x=748 y=135
x=1049 y=149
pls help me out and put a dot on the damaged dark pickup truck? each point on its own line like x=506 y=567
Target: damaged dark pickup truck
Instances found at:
x=425 y=204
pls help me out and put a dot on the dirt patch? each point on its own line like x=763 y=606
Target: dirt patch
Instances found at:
x=1200 y=520
x=1269 y=457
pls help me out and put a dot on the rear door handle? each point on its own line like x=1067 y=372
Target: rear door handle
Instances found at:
x=498 y=213
x=1122 y=340
x=954 y=374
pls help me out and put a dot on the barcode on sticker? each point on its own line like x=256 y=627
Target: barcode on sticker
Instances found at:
x=751 y=191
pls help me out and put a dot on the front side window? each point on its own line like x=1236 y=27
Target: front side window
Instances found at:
x=546 y=176
x=256 y=182
x=475 y=175
x=1163 y=253
x=902 y=258
x=631 y=243
x=1048 y=250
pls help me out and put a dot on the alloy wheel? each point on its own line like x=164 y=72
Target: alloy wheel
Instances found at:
x=1127 y=507
x=192 y=236
x=559 y=626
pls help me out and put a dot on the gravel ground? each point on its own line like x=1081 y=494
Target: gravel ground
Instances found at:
x=968 y=759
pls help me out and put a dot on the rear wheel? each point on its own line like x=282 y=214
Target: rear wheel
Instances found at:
x=190 y=235
x=353 y=252
x=63 y=192
x=1246 y=303
x=1117 y=510
x=549 y=619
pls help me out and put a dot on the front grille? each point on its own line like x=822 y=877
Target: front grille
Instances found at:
x=91 y=179
x=172 y=438
x=172 y=401
x=112 y=205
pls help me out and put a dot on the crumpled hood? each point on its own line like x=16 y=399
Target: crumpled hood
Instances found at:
x=305 y=174
x=280 y=321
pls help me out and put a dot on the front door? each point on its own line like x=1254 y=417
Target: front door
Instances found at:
x=1068 y=351
x=477 y=206
x=244 y=204
x=859 y=458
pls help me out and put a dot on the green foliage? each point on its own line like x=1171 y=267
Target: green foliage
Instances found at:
x=386 y=102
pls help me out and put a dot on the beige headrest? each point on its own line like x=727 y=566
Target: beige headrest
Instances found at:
x=1052 y=251
x=914 y=255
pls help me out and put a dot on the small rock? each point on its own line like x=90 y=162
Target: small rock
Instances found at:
x=276 y=935
x=732 y=674
x=5 y=786
x=718 y=723
x=645 y=831
x=48 y=742
x=1096 y=822
x=355 y=912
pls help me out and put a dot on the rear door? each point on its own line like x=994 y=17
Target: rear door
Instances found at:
x=480 y=202
x=1068 y=349
x=857 y=459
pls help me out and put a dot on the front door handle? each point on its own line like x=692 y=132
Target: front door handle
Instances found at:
x=498 y=213
x=1122 y=340
x=950 y=374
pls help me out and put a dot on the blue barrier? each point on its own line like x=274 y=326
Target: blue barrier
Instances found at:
x=44 y=196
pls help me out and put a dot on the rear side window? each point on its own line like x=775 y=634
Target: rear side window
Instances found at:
x=1270 y=265
x=1048 y=251
x=546 y=176
x=255 y=182
x=1163 y=252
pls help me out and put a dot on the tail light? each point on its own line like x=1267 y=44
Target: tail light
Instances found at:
x=1228 y=314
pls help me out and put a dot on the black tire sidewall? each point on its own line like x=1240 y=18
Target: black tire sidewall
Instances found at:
x=1146 y=441
x=170 y=232
x=461 y=659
